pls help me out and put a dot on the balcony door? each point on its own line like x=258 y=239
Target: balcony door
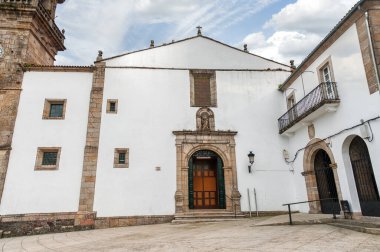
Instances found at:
x=326 y=74
x=291 y=102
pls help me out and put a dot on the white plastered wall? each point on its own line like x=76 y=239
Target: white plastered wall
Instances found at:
x=30 y=191
x=356 y=104
x=152 y=104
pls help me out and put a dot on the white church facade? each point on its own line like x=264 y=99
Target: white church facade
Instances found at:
x=170 y=131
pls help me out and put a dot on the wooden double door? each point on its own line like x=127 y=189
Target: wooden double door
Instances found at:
x=205 y=184
x=206 y=181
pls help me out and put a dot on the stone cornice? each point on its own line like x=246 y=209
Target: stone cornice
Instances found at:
x=205 y=133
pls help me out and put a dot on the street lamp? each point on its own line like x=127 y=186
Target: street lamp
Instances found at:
x=251 y=157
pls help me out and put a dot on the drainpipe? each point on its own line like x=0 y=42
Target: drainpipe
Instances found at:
x=372 y=50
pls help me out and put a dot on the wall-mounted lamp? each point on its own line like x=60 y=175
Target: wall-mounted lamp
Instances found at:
x=251 y=157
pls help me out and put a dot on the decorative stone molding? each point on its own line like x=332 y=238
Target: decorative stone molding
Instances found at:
x=205 y=120
x=220 y=142
x=311 y=131
x=307 y=173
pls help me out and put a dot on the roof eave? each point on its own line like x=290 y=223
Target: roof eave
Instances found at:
x=288 y=81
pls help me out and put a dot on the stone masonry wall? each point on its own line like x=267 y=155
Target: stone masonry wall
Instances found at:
x=87 y=191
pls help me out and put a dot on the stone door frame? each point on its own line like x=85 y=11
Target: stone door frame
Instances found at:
x=310 y=178
x=220 y=142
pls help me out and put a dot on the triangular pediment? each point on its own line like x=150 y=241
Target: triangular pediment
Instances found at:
x=194 y=53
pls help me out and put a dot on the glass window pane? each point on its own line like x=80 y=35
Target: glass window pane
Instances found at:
x=49 y=158
x=122 y=158
x=112 y=106
x=56 y=110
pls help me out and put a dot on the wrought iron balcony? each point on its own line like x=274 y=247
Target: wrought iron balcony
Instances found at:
x=324 y=95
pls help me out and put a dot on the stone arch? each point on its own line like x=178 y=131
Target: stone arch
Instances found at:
x=205 y=119
x=220 y=142
x=310 y=178
x=213 y=148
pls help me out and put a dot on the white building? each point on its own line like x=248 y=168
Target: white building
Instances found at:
x=166 y=131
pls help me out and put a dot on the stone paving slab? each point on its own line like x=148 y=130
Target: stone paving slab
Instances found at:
x=298 y=218
x=221 y=236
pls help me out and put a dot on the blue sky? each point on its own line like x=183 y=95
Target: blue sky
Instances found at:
x=277 y=29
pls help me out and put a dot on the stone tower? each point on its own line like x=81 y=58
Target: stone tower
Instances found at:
x=28 y=35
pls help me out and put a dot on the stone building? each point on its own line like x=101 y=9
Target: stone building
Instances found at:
x=170 y=131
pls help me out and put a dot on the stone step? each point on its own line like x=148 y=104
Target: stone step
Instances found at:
x=362 y=222
x=358 y=228
x=201 y=220
x=187 y=217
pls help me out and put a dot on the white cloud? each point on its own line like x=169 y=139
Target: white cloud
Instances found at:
x=310 y=16
x=297 y=29
x=97 y=24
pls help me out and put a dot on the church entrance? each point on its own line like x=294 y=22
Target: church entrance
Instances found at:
x=206 y=181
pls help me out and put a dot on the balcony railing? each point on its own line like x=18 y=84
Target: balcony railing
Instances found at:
x=324 y=93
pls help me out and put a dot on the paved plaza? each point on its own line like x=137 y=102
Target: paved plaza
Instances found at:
x=240 y=235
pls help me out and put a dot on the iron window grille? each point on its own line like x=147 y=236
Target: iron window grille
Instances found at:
x=122 y=158
x=112 y=106
x=56 y=110
x=49 y=158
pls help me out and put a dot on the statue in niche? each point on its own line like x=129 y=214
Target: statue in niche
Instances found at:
x=205 y=122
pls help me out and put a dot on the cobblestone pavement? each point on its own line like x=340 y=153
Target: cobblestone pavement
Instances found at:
x=240 y=235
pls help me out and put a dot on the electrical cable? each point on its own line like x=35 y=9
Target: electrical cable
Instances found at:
x=333 y=135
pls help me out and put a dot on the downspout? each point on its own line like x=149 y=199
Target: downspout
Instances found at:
x=372 y=50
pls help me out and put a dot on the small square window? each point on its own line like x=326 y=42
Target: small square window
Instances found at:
x=112 y=106
x=54 y=109
x=121 y=159
x=47 y=158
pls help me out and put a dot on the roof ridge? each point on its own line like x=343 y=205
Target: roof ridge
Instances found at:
x=190 y=38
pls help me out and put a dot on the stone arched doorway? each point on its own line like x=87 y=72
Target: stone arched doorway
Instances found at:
x=365 y=181
x=190 y=144
x=321 y=177
x=206 y=181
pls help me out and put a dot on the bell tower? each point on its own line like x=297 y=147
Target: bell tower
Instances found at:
x=28 y=35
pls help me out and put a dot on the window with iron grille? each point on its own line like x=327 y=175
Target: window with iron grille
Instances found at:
x=54 y=109
x=121 y=159
x=47 y=158
x=112 y=106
